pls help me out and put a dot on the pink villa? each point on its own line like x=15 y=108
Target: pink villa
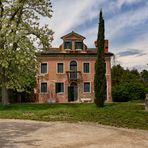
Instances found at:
x=66 y=74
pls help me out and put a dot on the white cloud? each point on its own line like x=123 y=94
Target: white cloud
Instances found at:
x=69 y=14
x=126 y=20
x=121 y=2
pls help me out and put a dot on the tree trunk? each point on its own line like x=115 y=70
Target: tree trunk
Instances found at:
x=5 y=99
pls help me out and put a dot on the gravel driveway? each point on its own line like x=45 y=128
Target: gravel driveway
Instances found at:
x=34 y=134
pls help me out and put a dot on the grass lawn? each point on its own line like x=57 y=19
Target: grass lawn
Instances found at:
x=129 y=114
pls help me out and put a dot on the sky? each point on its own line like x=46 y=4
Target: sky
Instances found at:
x=126 y=26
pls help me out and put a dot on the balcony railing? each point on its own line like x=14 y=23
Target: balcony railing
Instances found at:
x=74 y=75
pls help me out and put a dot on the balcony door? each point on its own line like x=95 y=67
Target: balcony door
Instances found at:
x=73 y=70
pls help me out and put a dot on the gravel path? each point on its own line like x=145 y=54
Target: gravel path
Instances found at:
x=34 y=134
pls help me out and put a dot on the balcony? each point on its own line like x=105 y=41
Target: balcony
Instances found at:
x=74 y=75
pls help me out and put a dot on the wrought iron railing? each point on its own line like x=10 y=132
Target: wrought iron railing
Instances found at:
x=74 y=75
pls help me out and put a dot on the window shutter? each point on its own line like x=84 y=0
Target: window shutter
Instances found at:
x=68 y=44
x=65 y=45
x=62 y=87
x=71 y=45
x=56 y=88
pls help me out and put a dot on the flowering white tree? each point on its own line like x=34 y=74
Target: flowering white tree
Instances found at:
x=21 y=36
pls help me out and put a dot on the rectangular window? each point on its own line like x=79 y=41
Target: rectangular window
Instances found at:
x=86 y=68
x=60 y=68
x=86 y=86
x=67 y=45
x=44 y=87
x=78 y=45
x=59 y=87
x=43 y=68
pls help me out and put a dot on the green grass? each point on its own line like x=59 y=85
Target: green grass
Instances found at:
x=129 y=114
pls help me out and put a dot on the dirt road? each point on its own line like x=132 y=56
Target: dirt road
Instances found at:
x=33 y=134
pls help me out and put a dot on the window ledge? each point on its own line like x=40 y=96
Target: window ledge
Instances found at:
x=60 y=93
x=87 y=92
x=43 y=74
x=60 y=73
x=67 y=49
x=79 y=49
x=43 y=93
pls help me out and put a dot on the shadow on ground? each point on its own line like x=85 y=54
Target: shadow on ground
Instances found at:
x=11 y=130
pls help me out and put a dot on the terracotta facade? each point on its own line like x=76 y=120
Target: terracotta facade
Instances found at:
x=66 y=74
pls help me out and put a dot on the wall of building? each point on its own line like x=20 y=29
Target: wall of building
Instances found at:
x=52 y=77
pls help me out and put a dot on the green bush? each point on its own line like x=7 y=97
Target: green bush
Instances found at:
x=128 y=91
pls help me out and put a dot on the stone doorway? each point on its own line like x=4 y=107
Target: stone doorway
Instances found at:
x=73 y=92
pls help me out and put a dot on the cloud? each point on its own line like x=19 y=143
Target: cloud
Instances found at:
x=132 y=61
x=68 y=14
x=130 y=52
x=126 y=25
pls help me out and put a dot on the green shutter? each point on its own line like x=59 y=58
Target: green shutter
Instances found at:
x=68 y=42
x=64 y=45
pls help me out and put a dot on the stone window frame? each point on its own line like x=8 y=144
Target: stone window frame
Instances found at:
x=63 y=87
x=68 y=41
x=40 y=68
x=90 y=86
x=89 y=68
x=41 y=85
x=57 y=68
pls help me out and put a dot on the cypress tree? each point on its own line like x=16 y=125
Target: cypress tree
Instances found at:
x=100 y=67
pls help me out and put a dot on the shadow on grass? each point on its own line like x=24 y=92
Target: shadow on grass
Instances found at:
x=30 y=106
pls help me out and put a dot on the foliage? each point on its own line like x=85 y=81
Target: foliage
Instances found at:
x=100 y=79
x=144 y=76
x=128 y=91
x=129 y=114
x=21 y=36
x=127 y=84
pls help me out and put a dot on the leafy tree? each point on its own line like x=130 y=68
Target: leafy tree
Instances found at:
x=128 y=91
x=100 y=70
x=144 y=77
x=21 y=35
x=117 y=74
x=127 y=84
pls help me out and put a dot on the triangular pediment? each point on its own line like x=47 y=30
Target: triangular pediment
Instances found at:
x=73 y=36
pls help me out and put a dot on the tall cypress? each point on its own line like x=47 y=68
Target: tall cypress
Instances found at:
x=100 y=66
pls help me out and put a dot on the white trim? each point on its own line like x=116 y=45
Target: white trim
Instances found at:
x=40 y=68
x=68 y=49
x=57 y=67
x=89 y=68
x=90 y=86
x=40 y=87
x=64 y=87
x=78 y=49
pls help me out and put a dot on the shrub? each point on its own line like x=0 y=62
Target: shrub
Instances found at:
x=128 y=91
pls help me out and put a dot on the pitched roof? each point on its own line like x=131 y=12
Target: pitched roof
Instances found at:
x=73 y=33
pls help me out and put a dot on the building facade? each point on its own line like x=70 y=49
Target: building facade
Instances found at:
x=66 y=74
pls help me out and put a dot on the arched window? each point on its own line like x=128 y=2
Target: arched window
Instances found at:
x=73 y=66
x=73 y=70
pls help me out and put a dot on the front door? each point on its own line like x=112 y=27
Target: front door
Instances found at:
x=72 y=92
